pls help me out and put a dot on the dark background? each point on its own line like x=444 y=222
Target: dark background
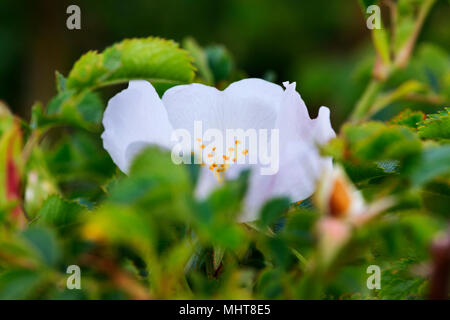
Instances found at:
x=324 y=45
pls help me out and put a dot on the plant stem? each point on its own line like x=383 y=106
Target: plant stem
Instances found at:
x=363 y=108
x=33 y=140
x=405 y=53
x=367 y=99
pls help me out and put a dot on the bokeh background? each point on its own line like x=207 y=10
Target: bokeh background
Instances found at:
x=324 y=45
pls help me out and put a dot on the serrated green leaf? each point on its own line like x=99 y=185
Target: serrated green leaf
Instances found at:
x=408 y=118
x=58 y=212
x=157 y=60
x=398 y=282
x=436 y=126
x=83 y=110
x=376 y=141
x=200 y=59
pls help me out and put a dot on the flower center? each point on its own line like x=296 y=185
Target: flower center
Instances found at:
x=219 y=162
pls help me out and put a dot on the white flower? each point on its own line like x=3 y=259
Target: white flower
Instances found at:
x=137 y=117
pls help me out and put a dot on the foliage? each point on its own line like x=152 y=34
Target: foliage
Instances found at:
x=146 y=235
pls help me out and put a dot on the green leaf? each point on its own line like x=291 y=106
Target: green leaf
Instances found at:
x=220 y=62
x=433 y=63
x=436 y=126
x=58 y=212
x=79 y=164
x=84 y=109
x=398 y=282
x=157 y=60
x=200 y=59
x=226 y=201
x=367 y=3
x=45 y=243
x=218 y=253
x=273 y=210
x=121 y=225
x=376 y=141
x=434 y=162
x=60 y=82
x=436 y=197
x=19 y=284
x=299 y=230
x=404 y=234
x=164 y=183
x=408 y=118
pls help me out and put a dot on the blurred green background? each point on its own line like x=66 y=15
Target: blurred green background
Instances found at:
x=324 y=45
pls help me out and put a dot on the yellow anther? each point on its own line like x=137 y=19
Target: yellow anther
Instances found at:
x=199 y=140
x=214 y=165
x=210 y=155
x=231 y=149
x=214 y=149
x=202 y=146
x=245 y=152
x=226 y=157
x=237 y=142
x=234 y=159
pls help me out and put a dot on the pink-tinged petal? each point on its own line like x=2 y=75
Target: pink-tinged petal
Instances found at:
x=134 y=115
